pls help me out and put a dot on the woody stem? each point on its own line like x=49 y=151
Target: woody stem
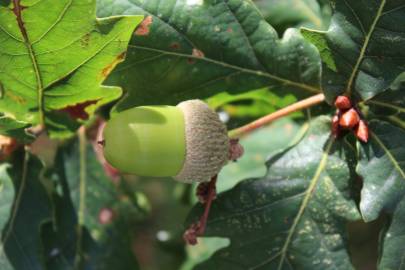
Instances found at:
x=303 y=104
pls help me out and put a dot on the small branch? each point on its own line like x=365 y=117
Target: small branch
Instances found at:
x=306 y=103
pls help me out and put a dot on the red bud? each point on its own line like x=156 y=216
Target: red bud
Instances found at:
x=362 y=131
x=349 y=119
x=343 y=103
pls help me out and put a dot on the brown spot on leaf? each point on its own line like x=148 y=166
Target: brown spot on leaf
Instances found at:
x=107 y=70
x=144 y=28
x=229 y=30
x=175 y=46
x=198 y=53
x=78 y=111
x=15 y=98
x=84 y=41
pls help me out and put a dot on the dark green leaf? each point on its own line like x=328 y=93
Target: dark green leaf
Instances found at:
x=16 y=129
x=20 y=246
x=6 y=201
x=382 y=167
x=53 y=62
x=294 y=217
x=393 y=248
x=195 y=49
x=390 y=104
x=366 y=42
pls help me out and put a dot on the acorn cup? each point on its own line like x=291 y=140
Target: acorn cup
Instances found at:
x=187 y=142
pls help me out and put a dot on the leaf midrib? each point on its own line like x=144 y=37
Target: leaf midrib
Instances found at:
x=230 y=66
x=364 y=48
x=17 y=12
x=255 y=72
x=304 y=204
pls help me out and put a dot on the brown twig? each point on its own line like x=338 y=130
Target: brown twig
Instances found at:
x=306 y=103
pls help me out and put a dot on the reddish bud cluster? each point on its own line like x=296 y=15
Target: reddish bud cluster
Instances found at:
x=347 y=117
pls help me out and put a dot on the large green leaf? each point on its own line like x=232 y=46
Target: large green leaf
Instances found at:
x=363 y=47
x=194 y=49
x=295 y=13
x=382 y=167
x=80 y=238
x=392 y=244
x=51 y=62
x=20 y=246
x=295 y=216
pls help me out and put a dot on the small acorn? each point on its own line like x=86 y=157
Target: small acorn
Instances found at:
x=361 y=131
x=187 y=142
x=343 y=103
x=349 y=119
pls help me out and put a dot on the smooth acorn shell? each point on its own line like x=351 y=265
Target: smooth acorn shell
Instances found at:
x=146 y=141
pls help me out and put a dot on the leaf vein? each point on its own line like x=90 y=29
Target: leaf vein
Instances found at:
x=305 y=201
x=364 y=47
x=306 y=87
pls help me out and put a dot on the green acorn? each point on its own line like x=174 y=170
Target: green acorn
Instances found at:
x=187 y=141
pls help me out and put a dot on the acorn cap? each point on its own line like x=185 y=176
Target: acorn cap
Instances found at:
x=207 y=142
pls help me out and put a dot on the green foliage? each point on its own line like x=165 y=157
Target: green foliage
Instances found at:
x=364 y=39
x=50 y=63
x=392 y=246
x=381 y=166
x=295 y=215
x=194 y=50
x=80 y=237
x=298 y=199
x=29 y=209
